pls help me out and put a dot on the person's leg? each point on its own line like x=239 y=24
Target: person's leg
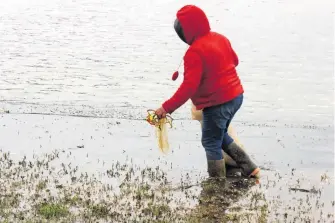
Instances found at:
x=230 y=109
x=232 y=148
x=197 y=115
x=212 y=136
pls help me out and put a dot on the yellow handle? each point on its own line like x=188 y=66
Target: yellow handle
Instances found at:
x=154 y=120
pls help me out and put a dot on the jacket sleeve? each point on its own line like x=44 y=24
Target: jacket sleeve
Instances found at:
x=193 y=70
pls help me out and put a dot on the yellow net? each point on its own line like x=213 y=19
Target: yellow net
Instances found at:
x=161 y=129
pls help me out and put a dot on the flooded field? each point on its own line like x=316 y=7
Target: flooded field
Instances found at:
x=76 y=79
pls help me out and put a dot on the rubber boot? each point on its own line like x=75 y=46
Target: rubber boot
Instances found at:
x=216 y=168
x=242 y=159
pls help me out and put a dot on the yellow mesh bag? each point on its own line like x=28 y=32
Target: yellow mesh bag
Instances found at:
x=161 y=129
x=196 y=114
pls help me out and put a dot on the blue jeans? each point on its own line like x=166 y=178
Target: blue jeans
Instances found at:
x=216 y=120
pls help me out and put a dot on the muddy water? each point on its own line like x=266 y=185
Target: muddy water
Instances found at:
x=114 y=60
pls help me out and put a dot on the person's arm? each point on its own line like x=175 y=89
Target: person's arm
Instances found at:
x=192 y=76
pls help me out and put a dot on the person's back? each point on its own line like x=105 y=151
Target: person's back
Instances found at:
x=220 y=82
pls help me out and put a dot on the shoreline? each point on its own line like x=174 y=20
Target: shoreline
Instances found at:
x=96 y=145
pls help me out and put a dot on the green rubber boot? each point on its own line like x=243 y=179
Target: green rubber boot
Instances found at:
x=216 y=168
x=242 y=159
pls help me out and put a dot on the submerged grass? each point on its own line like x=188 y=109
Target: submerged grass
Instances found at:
x=46 y=189
x=49 y=210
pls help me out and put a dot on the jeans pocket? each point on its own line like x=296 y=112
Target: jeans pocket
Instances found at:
x=240 y=101
x=236 y=104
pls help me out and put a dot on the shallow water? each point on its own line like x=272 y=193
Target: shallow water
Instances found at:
x=114 y=59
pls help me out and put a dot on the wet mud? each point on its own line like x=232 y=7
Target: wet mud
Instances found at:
x=67 y=169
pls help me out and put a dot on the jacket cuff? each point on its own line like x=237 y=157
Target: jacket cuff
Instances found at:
x=167 y=107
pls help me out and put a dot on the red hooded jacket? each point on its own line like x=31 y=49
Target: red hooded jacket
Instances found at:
x=210 y=77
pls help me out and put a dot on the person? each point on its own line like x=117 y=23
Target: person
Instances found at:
x=212 y=83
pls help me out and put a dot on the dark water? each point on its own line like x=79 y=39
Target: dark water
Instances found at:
x=114 y=59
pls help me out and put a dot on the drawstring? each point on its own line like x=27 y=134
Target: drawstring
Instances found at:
x=176 y=73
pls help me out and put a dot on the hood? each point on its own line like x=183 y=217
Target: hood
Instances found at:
x=193 y=22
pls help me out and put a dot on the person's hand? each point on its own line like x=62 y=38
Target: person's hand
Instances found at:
x=161 y=113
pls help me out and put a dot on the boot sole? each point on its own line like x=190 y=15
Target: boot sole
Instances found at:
x=255 y=173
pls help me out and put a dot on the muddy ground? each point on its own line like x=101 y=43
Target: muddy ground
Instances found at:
x=96 y=156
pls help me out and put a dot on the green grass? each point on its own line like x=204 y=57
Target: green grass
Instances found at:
x=52 y=211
